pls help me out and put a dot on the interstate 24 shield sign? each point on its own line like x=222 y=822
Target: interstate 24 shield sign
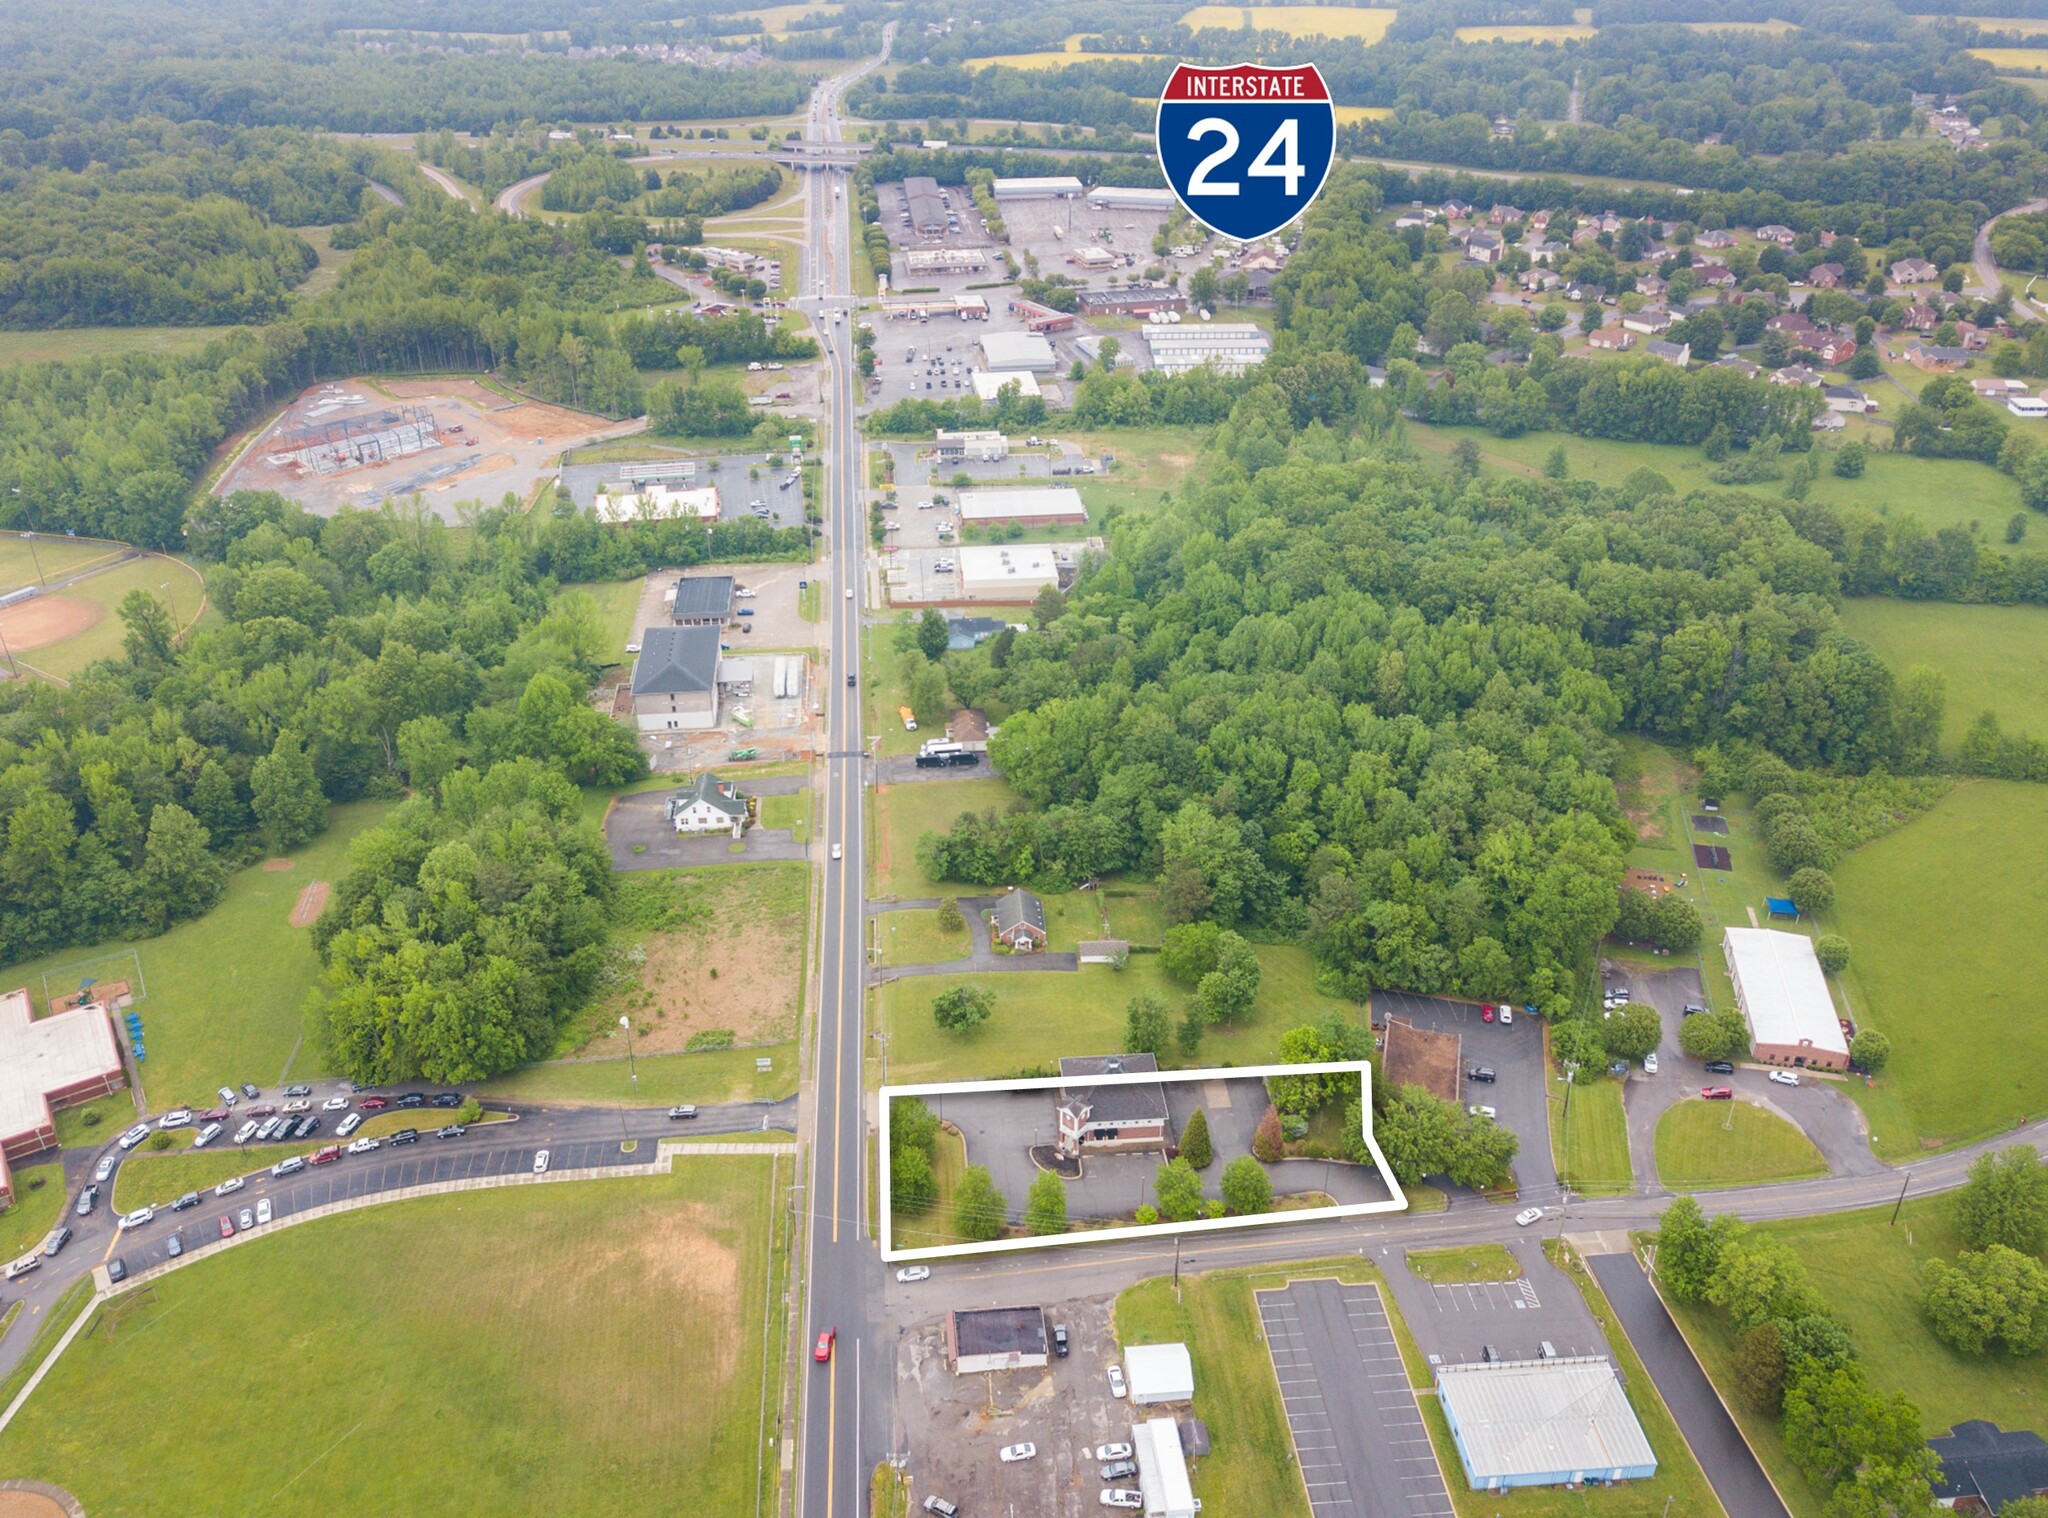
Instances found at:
x=1246 y=148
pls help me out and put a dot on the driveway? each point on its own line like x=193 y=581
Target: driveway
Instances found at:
x=1357 y=1429
x=640 y=837
x=1457 y=1322
x=1709 y=1430
x=981 y=960
x=901 y=769
x=1515 y=1055
x=1825 y=1114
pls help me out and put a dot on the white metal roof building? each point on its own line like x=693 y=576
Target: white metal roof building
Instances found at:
x=1005 y=351
x=1543 y=1423
x=658 y=503
x=1047 y=187
x=1230 y=346
x=944 y=260
x=990 y=386
x=1785 y=999
x=46 y=1064
x=1014 y=572
x=1162 y=1469
x=1159 y=1373
x=1129 y=198
x=1050 y=503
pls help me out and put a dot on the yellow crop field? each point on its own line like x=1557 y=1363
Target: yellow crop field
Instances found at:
x=775 y=19
x=2019 y=26
x=1368 y=25
x=1058 y=60
x=1525 y=33
x=1774 y=28
x=2013 y=60
x=1348 y=115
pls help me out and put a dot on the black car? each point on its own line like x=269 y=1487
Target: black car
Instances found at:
x=189 y=1199
x=307 y=1127
x=1481 y=1073
x=452 y=1131
x=412 y=1099
x=250 y=1091
x=1059 y=1340
x=117 y=1269
x=448 y=1099
x=1720 y=1067
x=404 y=1136
x=298 y=1090
x=849 y=681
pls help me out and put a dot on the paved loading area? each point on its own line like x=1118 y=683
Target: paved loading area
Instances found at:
x=1737 y=1478
x=1516 y=1318
x=1358 y=1435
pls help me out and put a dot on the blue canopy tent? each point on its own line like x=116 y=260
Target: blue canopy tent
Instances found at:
x=1782 y=906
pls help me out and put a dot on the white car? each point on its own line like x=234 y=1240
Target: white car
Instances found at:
x=137 y=1218
x=540 y=1162
x=365 y=1146
x=230 y=1186
x=298 y=1104
x=746 y=595
x=632 y=648
x=835 y=851
x=247 y=1131
x=335 y=1104
x=206 y=1135
x=1785 y=1077
x=1012 y=1453
x=263 y=1210
x=1507 y=1015
x=1650 y=1063
x=177 y=1117
x=911 y=1273
x=1116 y=1380
x=1482 y=1111
x=349 y=1125
x=1121 y=1496
x=1112 y=1452
x=1527 y=1216
x=103 y=1169
x=135 y=1135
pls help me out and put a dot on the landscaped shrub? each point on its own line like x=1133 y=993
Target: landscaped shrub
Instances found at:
x=709 y=1038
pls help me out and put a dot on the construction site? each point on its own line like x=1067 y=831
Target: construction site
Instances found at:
x=361 y=443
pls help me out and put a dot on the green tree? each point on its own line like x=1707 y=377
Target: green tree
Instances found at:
x=1632 y=1031
x=1990 y=1299
x=2005 y=1201
x=1557 y=465
x=148 y=638
x=1713 y=1035
x=1813 y=890
x=1227 y=992
x=932 y=634
x=1189 y=951
x=428 y=750
x=1689 y=1249
x=1850 y=460
x=978 y=1208
x=1483 y=1155
x=1760 y=1367
x=1247 y=1189
x=927 y=691
x=285 y=794
x=1578 y=1042
x=1759 y=1279
x=950 y=919
x=1870 y=1050
x=1178 y=1190
x=1148 y=1026
x=1832 y=950
x=1195 y=1147
x=1188 y=1036
x=912 y=1186
x=179 y=877
x=1045 y=1209
x=961 y=1009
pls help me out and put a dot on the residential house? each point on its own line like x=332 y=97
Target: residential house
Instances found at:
x=1409 y=219
x=1611 y=339
x=1930 y=358
x=1985 y=1467
x=1649 y=321
x=709 y=805
x=1848 y=400
x=1455 y=210
x=1536 y=280
x=1017 y=920
x=1501 y=215
x=1797 y=329
x=1542 y=250
x=971 y=632
x=1835 y=348
x=1375 y=377
x=1606 y=221
x=1826 y=276
x=1714 y=238
x=1918 y=317
x=1589 y=294
x=1739 y=364
x=1539 y=221
x=1914 y=271
x=1651 y=286
x=1126 y=1115
x=1829 y=421
x=1974 y=337
x=1679 y=354
x=1783 y=236
x=1503 y=130
x=1798 y=374
x=1484 y=248
x=1714 y=276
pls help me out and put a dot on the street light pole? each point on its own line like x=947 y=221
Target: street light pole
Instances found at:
x=632 y=1069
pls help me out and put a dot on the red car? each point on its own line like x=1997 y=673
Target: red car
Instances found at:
x=374 y=1103
x=214 y=1115
x=227 y=1228
x=1717 y=1093
x=1486 y=1012
x=328 y=1155
x=261 y=1112
x=824 y=1350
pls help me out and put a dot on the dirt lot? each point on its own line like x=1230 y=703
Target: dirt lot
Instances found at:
x=954 y=1425
x=481 y=445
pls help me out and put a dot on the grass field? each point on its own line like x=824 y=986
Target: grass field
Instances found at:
x=1774 y=28
x=1525 y=33
x=618 y=604
x=792 y=812
x=227 y=991
x=172 y=581
x=1995 y=657
x=2013 y=60
x=914 y=938
x=1036 y=61
x=1134 y=914
x=903 y=813
x=467 y=1401
x=1944 y=919
x=1703 y=1144
x=72 y=343
x=1298 y=21
x=720 y=1075
x=2019 y=26
x=1473 y=1262
x=39 y=1198
x=1590 y=1144
x=1042 y=1014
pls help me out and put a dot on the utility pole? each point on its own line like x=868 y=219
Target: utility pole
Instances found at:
x=1902 y=1199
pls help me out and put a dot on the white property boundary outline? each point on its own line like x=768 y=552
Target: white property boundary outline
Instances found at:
x=1361 y=1068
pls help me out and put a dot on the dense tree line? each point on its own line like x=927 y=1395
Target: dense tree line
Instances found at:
x=359 y=655
x=677 y=340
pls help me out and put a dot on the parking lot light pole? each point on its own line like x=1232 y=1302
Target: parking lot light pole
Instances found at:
x=632 y=1070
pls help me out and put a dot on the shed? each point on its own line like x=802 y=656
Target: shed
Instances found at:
x=1162 y=1469
x=1543 y=1423
x=1102 y=951
x=996 y=1338
x=1005 y=352
x=1159 y=1373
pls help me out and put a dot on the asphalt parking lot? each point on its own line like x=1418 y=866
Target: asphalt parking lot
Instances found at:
x=954 y=1425
x=737 y=493
x=1358 y=1433
x=1515 y=1054
x=1457 y=1322
x=639 y=835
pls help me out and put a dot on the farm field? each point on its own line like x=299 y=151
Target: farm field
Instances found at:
x=227 y=991
x=1525 y=33
x=658 y=1284
x=70 y=343
x=2020 y=26
x=1774 y=28
x=1994 y=657
x=2013 y=60
x=1706 y=1144
x=1298 y=21
x=1942 y=917
x=1034 y=61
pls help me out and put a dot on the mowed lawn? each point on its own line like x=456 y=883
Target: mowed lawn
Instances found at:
x=227 y=991
x=1043 y=1014
x=551 y=1350
x=1994 y=657
x=1589 y=1144
x=658 y=1080
x=1945 y=918
x=1702 y=1144
x=70 y=344
x=905 y=813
